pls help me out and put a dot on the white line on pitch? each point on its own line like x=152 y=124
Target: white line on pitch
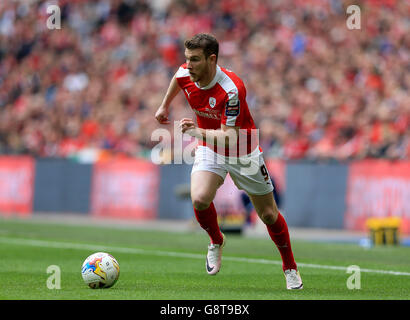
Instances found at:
x=91 y=247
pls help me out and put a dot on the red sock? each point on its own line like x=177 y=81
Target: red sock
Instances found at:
x=208 y=220
x=280 y=235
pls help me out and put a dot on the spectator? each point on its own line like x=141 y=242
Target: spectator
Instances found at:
x=316 y=89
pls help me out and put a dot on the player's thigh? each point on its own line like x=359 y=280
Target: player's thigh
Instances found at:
x=265 y=206
x=251 y=175
x=204 y=185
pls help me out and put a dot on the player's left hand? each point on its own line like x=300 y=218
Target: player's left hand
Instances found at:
x=188 y=126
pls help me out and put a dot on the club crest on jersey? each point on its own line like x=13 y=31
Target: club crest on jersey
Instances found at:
x=212 y=102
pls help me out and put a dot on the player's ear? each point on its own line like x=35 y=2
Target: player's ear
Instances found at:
x=212 y=58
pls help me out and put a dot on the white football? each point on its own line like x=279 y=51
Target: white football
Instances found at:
x=100 y=270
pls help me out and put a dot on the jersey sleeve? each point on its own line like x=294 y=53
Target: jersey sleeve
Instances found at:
x=232 y=115
x=182 y=75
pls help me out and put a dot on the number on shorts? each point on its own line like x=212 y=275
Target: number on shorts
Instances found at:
x=265 y=172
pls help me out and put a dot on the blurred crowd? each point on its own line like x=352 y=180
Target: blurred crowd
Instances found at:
x=316 y=89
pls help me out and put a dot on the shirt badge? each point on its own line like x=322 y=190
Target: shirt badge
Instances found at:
x=212 y=102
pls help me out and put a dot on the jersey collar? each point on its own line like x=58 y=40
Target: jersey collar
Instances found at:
x=214 y=80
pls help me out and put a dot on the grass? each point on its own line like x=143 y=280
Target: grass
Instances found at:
x=171 y=266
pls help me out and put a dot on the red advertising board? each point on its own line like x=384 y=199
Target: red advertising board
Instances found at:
x=126 y=188
x=378 y=188
x=16 y=185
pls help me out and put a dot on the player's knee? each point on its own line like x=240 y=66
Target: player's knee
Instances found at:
x=200 y=203
x=268 y=216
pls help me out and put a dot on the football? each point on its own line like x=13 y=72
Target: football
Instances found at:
x=100 y=270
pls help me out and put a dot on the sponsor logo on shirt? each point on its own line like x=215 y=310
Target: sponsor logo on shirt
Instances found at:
x=212 y=115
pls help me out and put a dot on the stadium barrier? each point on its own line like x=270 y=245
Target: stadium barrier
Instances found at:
x=338 y=196
x=315 y=195
x=61 y=186
x=174 y=192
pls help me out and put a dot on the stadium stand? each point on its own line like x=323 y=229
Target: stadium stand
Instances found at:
x=317 y=90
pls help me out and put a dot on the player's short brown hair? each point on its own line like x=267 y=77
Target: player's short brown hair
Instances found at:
x=204 y=41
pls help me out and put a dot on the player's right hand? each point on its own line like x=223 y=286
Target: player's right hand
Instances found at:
x=162 y=115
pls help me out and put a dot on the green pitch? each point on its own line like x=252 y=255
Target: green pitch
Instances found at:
x=164 y=265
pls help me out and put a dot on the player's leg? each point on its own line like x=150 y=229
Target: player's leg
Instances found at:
x=258 y=186
x=267 y=210
x=204 y=185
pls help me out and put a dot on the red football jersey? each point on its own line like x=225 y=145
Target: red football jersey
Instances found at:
x=222 y=101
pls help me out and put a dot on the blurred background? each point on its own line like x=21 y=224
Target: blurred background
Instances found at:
x=77 y=106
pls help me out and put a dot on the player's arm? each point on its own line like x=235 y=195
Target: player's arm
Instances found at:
x=163 y=111
x=226 y=136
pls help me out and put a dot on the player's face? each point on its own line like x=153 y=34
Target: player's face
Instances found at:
x=197 y=64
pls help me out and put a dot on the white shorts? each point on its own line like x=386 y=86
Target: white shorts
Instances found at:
x=249 y=172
